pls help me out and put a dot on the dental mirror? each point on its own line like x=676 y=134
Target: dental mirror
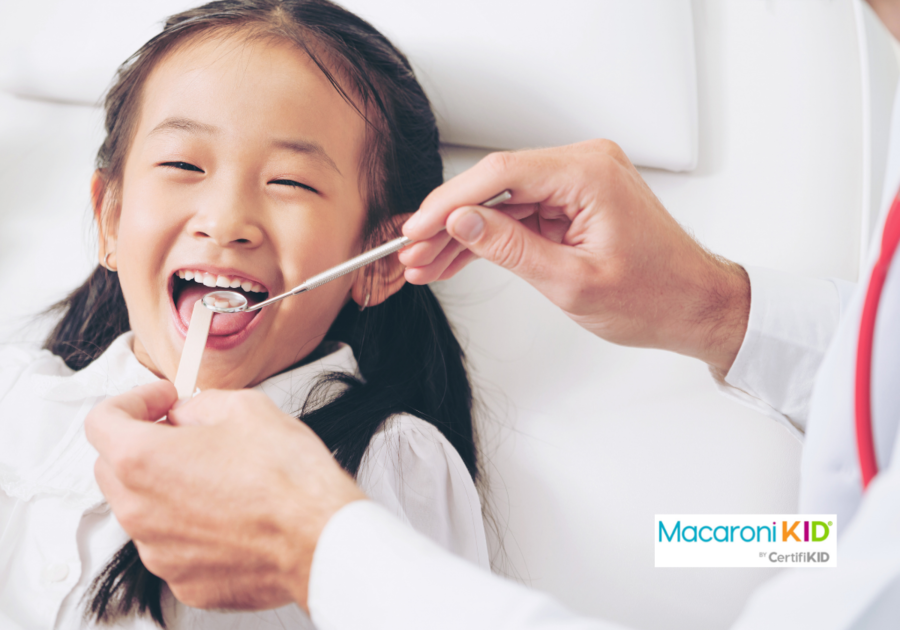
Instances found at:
x=234 y=302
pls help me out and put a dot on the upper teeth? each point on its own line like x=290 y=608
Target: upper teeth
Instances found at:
x=226 y=282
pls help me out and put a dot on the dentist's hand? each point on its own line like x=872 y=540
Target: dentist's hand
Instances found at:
x=226 y=508
x=584 y=228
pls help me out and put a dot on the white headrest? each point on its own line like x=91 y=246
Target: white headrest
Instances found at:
x=502 y=74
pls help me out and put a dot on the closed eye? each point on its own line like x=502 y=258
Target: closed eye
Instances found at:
x=184 y=166
x=290 y=182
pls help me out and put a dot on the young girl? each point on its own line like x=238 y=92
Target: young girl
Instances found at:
x=252 y=144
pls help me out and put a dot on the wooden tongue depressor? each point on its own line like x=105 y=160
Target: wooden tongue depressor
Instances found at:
x=189 y=366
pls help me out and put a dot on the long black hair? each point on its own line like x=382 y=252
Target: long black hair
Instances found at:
x=408 y=356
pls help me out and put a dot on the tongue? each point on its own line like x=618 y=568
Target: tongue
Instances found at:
x=222 y=324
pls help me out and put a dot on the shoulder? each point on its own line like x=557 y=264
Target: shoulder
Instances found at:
x=413 y=470
x=409 y=431
x=405 y=443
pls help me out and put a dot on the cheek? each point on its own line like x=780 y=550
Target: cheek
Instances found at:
x=143 y=240
x=301 y=324
x=311 y=244
x=306 y=249
x=146 y=226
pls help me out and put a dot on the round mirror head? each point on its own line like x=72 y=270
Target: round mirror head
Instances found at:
x=225 y=302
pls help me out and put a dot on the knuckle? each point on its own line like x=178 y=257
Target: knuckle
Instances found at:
x=130 y=519
x=100 y=472
x=89 y=419
x=95 y=415
x=188 y=594
x=171 y=564
x=151 y=560
x=129 y=467
x=606 y=161
x=608 y=147
x=248 y=400
x=508 y=250
x=499 y=162
x=604 y=170
x=159 y=562
x=429 y=274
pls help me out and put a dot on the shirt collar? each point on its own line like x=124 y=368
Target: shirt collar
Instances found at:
x=69 y=470
x=290 y=389
x=114 y=372
x=118 y=370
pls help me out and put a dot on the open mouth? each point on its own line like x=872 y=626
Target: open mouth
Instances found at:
x=189 y=285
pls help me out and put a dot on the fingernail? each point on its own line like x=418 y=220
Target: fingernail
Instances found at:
x=469 y=227
x=180 y=402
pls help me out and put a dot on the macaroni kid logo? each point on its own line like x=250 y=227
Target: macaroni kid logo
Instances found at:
x=746 y=540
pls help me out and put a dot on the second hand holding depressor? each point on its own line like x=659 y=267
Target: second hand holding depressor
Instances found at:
x=234 y=302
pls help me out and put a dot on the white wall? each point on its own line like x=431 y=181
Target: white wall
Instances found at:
x=46 y=244
x=586 y=441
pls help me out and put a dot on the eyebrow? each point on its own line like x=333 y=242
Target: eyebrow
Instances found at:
x=304 y=147
x=184 y=124
x=310 y=148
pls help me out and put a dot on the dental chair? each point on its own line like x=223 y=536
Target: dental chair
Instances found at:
x=762 y=128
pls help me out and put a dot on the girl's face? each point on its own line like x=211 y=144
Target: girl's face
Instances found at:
x=243 y=170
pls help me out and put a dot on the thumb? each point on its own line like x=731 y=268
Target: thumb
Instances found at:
x=108 y=422
x=147 y=402
x=206 y=408
x=505 y=241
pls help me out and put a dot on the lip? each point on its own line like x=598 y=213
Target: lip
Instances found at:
x=216 y=342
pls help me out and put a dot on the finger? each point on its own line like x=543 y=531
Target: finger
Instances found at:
x=203 y=409
x=424 y=252
x=510 y=244
x=529 y=175
x=457 y=265
x=110 y=485
x=519 y=211
x=114 y=420
x=434 y=270
x=217 y=406
x=483 y=181
x=147 y=402
x=554 y=229
x=123 y=502
x=555 y=177
x=424 y=265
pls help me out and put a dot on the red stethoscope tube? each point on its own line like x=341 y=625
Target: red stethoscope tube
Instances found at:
x=865 y=444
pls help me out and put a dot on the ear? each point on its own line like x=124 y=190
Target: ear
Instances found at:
x=104 y=214
x=387 y=275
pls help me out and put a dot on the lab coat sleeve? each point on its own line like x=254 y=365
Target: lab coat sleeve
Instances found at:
x=371 y=571
x=414 y=472
x=792 y=321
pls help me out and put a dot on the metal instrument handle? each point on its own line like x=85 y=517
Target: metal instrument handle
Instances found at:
x=360 y=261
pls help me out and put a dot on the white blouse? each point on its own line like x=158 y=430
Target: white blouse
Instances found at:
x=57 y=531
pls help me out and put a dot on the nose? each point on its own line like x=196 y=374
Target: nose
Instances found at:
x=229 y=219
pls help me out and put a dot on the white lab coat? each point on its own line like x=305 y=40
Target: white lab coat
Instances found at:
x=797 y=365
x=57 y=532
